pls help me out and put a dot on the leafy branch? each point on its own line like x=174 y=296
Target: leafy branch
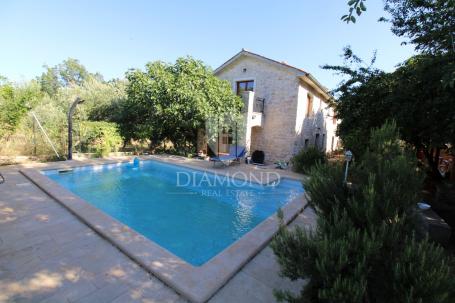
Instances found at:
x=355 y=7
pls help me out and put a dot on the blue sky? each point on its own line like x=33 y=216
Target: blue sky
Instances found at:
x=112 y=36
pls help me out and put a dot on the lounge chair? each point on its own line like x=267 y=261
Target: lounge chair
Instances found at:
x=235 y=153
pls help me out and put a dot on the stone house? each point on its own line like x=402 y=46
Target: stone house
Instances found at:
x=287 y=109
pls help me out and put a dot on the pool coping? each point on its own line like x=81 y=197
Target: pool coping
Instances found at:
x=196 y=283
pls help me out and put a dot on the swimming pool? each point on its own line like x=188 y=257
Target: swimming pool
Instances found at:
x=192 y=214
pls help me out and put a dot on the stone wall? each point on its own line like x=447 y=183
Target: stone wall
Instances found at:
x=285 y=126
x=279 y=87
x=319 y=128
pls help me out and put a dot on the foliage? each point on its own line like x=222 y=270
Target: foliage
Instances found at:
x=99 y=137
x=3 y=80
x=167 y=102
x=418 y=95
x=365 y=247
x=428 y=24
x=355 y=7
x=413 y=95
x=49 y=100
x=104 y=100
x=68 y=73
x=14 y=104
x=172 y=101
x=306 y=159
x=10 y=110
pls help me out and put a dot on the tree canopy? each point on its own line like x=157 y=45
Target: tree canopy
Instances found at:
x=419 y=95
x=413 y=95
x=68 y=73
x=172 y=101
x=163 y=103
x=49 y=97
x=428 y=24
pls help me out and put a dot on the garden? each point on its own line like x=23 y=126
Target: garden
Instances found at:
x=369 y=244
x=159 y=109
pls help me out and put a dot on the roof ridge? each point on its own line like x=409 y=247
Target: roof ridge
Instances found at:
x=285 y=64
x=276 y=61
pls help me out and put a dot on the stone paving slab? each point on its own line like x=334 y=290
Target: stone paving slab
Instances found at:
x=47 y=255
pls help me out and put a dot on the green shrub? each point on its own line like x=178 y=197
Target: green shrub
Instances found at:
x=306 y=159
x=14 y=104
x=99 y=137
x=365 y=247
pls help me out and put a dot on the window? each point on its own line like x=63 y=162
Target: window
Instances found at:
x=316 y=141
x=244 y=86
x=226 y=137
x=309 y=110
x=306 y=143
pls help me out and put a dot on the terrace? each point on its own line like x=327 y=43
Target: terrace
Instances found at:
x=50 y=253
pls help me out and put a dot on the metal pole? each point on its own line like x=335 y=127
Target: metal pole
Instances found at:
x=346 y=172
x=34 y=137
x=45 y=134
x=70 y=126
x=218 y=138
x=236 y=138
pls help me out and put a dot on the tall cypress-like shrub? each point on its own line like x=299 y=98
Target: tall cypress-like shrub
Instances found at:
x=367 y=246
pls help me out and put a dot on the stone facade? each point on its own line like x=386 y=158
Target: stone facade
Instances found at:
x=317 y=128
x=285 y=127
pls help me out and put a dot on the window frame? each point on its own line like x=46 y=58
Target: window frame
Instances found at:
x=309 y=107
x=238 y=83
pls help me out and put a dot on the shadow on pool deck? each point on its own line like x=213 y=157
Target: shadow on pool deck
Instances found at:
x=47 y=255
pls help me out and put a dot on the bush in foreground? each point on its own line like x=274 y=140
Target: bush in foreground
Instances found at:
x=306 y=159
x=366 y=247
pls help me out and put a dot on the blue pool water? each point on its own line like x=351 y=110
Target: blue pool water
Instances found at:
x=192 y=214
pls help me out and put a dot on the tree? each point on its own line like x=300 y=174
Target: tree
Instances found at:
x=172 y=101
x=72 y=72
x=102 y=98
x=50 y=96
x=428 y=24
x=366 y=246
x=424 y=106
x=419 y=94
x=15 y=101
x=50 y=81
x=68 y=73
x=414 y=96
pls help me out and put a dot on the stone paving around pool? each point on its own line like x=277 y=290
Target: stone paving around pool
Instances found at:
x=48 y=255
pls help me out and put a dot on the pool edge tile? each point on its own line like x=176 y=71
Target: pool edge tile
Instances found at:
x=198 y=284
